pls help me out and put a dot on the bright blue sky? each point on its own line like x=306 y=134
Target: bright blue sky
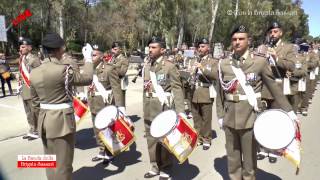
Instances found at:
x=312 y=8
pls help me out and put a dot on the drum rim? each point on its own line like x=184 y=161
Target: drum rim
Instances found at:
x=269 y=110
x=172 y=128
x=103 y=109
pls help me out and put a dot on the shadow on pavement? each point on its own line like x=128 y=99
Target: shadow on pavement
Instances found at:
x=134 y=118
x=101 y=171
x=184 y=171
x=263 y=175
x=220 y=165
x=213 y=134
x=85 y=139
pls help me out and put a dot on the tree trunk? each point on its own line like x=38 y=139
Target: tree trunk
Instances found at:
x=86 y=23
x=214 y=10
x=61 y=19
x=41 y=17
x=166 y=36
x=181 y=32
x=237 y=9
x=182 y=8
x=48 y=23
x=195 y=35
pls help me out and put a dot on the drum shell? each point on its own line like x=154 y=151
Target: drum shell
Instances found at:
x=181 y=140
x=117 y=137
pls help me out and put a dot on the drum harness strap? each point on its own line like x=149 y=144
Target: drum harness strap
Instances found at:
x=101 y=90
x=159 y=92
x=248 y=90
x=98 y=89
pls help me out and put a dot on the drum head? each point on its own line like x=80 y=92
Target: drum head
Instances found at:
x=274 y=129
x=105 y=116
x=163 y=123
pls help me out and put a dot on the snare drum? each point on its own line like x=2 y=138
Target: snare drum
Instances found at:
x=177 y=135
x=115 y=130
x=274 y=129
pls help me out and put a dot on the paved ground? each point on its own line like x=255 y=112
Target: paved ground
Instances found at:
x=131 y=165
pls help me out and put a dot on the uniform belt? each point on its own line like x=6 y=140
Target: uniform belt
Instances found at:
x=294 y=79
x=239 y=97
x=278 y=80
x=153 y=94
x=203 y=84
x=56 y=106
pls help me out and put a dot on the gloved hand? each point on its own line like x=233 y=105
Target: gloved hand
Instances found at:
x=264 y=105
x=220 y=122
x=87 y=53
x=105 y=98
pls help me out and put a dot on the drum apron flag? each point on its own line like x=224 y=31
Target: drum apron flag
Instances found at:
x=293 y=151
x=80 y=109
x=118 y=137
x=182 y=141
